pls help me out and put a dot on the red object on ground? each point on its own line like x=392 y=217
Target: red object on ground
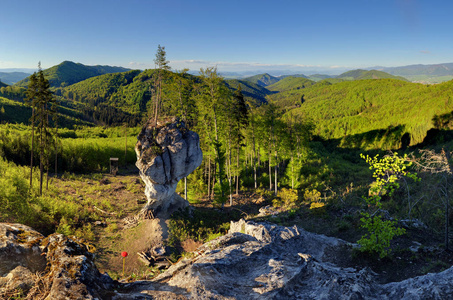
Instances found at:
x=124 y=254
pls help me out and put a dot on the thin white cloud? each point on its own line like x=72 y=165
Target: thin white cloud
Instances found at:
x=223 y=66
x=134 y=64
x=6 y=64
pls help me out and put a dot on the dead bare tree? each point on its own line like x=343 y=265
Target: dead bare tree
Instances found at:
x=442 y=165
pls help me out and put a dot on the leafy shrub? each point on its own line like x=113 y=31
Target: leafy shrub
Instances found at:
x=387 y=171
x=287 y=199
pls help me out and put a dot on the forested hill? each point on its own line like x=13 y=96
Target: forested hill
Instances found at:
x=290 y=83
x=68 y=73
x=360 y=113
x=252 y=91
x=262 y=79
x=427 y=73
x=12 y=77
x=370 y=113
x=2 y=84
x=372 y=74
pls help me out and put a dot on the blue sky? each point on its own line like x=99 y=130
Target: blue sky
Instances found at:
x=241 y=35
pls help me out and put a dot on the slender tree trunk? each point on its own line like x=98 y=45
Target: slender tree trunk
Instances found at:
x=254 y=165
x=157 y=98
x=209 y=177
x=270 y=171
x=229 y=169
x=275 y=175
x=292 y=171
x=447 y=239
x=185 y=188
x=125 y=146
x=41 y=158
x=218 y=156
x=237 y=171
x=56 y=149
x=32 y=145
x=213 y=182
x=46 y=142
x=246 y=163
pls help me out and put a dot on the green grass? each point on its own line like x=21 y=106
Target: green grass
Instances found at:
x=85 y=150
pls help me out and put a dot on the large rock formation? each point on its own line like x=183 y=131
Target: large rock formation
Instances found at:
x=166 y=154
x=266 y=261
x=55 y=267
x=253 y=261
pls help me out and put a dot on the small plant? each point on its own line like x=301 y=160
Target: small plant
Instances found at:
x=111 y=228
x=387 y=171
x=287 y=199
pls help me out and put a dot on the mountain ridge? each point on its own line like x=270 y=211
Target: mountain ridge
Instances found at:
x=68 y=73
x=360 y=74
x=11 y=78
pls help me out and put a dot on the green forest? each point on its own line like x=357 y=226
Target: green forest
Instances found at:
x=347 y=156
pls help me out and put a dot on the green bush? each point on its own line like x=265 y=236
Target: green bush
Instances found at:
x=287 y=199
x=387 y=171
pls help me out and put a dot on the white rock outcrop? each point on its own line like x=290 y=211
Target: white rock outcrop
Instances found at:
x=253 y=261
x=166 y=154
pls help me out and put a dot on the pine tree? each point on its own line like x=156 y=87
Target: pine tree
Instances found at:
x=212 y=99
x=162 y=65
x=43 y=107
x=31 y=95
x=240 y=116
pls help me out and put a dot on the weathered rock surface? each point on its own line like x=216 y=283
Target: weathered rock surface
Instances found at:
x=253 y=261
x=165 y=155
x=55 y=267
x=266 y=261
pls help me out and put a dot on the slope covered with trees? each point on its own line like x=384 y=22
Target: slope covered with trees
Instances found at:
x=262 y=79
x=371 y=74
x=68 y=73
x=284 y=148
x=12 y=77
x=252 y=91
x=370 y=113
x=290 y=83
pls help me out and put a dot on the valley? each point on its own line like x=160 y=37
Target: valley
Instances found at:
x=286 y=150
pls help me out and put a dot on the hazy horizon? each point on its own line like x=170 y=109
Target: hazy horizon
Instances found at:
x=235 y=36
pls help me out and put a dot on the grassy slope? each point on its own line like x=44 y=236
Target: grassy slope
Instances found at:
x=386 y=107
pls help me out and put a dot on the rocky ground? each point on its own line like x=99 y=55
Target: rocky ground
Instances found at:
x=253 y=261
x=270 y=260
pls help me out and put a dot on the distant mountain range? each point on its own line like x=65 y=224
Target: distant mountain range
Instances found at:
x=423 y=73
x=68 y=73
x=359 y=108
x=285 y=83
x=434 y=73
x=11 y=78
x=364 y=74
